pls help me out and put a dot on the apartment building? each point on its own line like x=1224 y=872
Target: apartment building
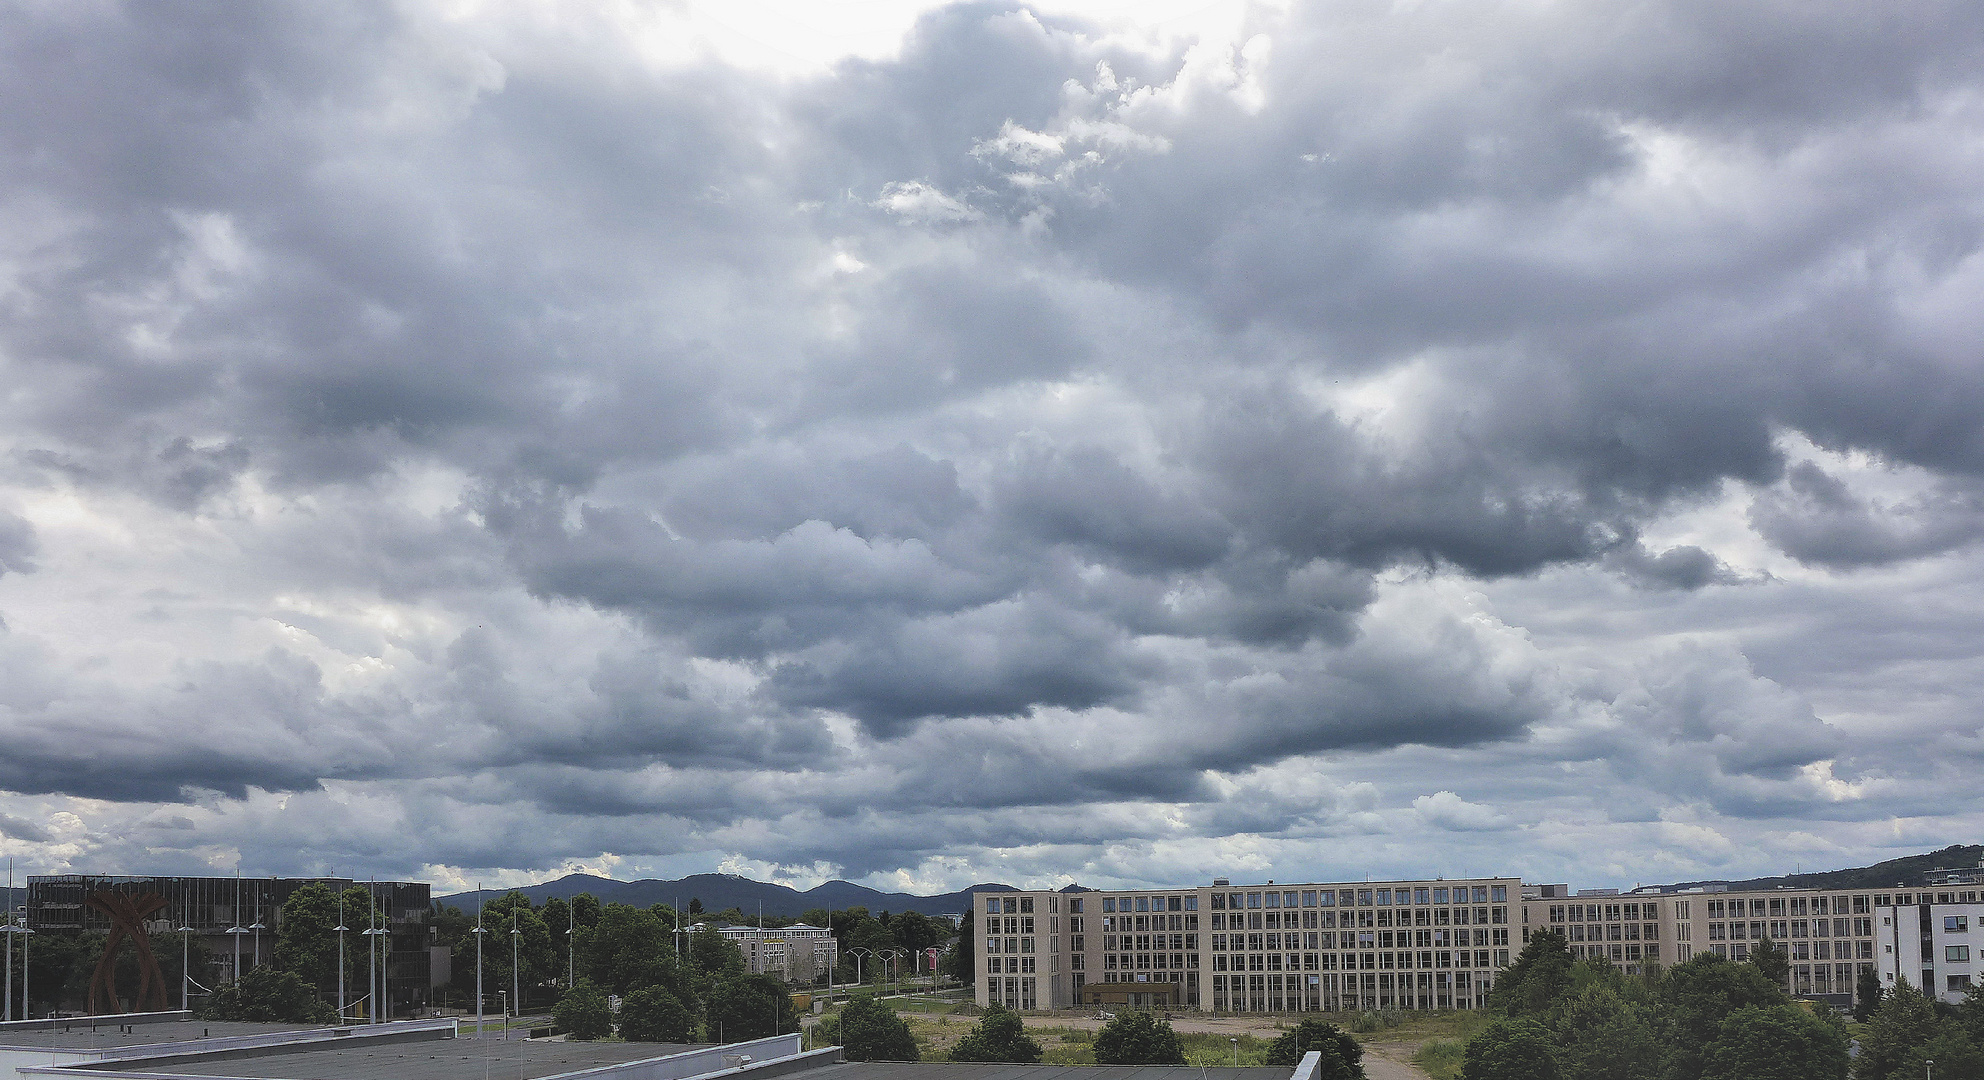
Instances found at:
x=1927 y=938
x=1372 y=945
x=798 y=953
x=1250 y=948
x=1828 y=934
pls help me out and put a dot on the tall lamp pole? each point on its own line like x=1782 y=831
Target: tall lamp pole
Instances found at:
x=237 y=929
x=571 y=945
x=10 y=939
x=479 y=931
x=341 y=930
x=516 y=986
x=25 y=932
x=185 y=952
x=257 y=926
x=371 y=935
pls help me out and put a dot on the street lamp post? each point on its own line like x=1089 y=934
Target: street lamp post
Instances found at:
x=341 y=929
x=889 y=957
x=185 y=955
x=858 y=953
x=257 y=927
x=516 y=985
x=10 y=940
x=25 y=932
x=237 y=929
x=1236 y=1049
x=479 y=931
x=571 y=944
x=373 y=984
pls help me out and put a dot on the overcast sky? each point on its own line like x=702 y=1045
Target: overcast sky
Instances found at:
x=930 y=445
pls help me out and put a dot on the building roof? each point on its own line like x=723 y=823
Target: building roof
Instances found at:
x=433 y=1059
x=959 y=1070
x=100 y=1033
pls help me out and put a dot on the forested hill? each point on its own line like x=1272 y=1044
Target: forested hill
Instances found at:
x=1909 y=871
x=722 y=891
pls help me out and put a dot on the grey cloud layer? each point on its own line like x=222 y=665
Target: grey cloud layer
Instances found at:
x=686 y=460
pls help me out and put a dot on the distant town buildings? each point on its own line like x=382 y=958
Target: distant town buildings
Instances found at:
x=1439 y=944
x=798 y=953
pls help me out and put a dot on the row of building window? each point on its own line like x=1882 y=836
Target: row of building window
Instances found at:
x=1149 y=922
x=1631 y=931
x=1618 y=954
x=1148 y=903
x=1353 y=939
x=1603 y=912
x=1780 y=929
x=1311 y=920
x=1368 y=961
x=1144 y=942
x=1147 y=962
x=1419 y=894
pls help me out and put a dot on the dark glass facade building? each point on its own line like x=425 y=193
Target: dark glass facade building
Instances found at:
x=216 y=906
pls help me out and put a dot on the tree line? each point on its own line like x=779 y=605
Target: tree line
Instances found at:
x=1706 y=1019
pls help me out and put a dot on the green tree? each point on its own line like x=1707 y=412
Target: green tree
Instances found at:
x=1867 y=994
x=583 y=1013
x=558 y=918
x=1696 y=997
x=695 y=906
x=1957 y=1056
x=960 y=960
x=998 y=1036
x=271 y=995
x=362 y=910
x=1777 y=1042
x=1905 y=1020
x=652 y=1014
x=305 y=939
x=586 y=910
x=713 y=955
x=627 y=948
x=1342 y=1057
x=871 y=1031
x=59 y=968
x=1773 y=960
x=1138 y=1038
x=1969 y=1015
x=511 y=920
x=1510 y=1049
x=749 y=1007
x=1602 y=1037
x=915 y=931
x=1540 y=975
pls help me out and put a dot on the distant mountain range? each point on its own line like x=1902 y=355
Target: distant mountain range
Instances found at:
x=721 y=891
x=1908 y=872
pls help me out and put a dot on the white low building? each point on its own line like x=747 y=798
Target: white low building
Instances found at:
x=1932 y=942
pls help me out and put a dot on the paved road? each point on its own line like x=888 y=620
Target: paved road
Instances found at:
x=1379 y=1067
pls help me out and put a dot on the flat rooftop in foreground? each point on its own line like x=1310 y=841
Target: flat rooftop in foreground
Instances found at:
x=102 y=1033
x=959 y=1070
x=426 y=1059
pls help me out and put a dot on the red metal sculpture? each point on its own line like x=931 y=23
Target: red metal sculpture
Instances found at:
x=127 y=917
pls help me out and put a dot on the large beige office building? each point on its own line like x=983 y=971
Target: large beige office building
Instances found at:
x=1249 y=948
x=1334 y=946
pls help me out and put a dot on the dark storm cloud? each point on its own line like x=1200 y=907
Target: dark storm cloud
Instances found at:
x=1818 y=520
x=490 y=418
